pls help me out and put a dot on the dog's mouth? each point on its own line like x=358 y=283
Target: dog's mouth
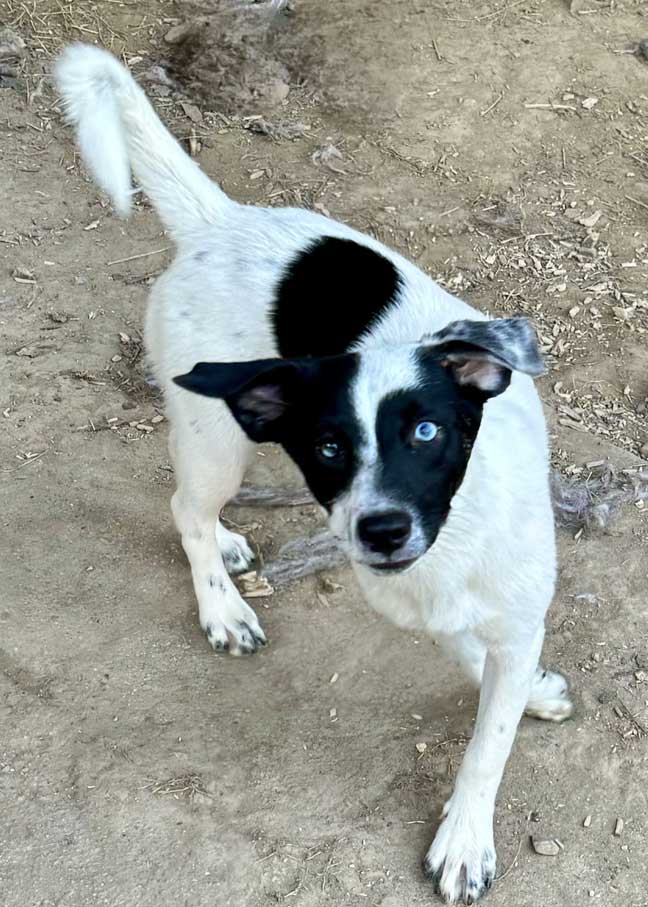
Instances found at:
x=393 y=566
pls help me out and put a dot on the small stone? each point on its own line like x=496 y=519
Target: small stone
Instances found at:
x=334 y=678
x=116 y=358
x=157 y=419
x=276 y=91
x=12 y=46
x=332 y=714
x=546 y=847
x=158 y=75
x=192 y=112
x=591 y=220
x=587 y=821
x=417 y=717
x=178 y=33
x=588 y=103
x=618 y=828
x=421 y=748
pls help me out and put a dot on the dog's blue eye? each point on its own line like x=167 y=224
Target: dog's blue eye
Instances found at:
x=426 y=431
x=329 y=450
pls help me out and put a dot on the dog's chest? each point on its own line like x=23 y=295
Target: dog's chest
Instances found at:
x=429 y=598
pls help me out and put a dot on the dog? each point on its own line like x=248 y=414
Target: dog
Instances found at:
x=413 y=418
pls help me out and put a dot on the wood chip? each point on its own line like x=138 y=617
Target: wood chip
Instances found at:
x=22 y=275
x=254 y=586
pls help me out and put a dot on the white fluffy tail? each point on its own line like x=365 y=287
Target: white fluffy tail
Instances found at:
x=118 y=131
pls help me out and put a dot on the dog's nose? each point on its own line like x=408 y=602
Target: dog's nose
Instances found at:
x=385 y=532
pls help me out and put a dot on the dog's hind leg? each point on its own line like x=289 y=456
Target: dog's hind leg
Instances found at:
x=549 y=697
x=210 y=454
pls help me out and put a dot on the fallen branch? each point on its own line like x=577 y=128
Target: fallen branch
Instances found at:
x=257 y=496
x=578 y=503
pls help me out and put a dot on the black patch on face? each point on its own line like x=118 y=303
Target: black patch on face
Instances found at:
x=303 y=404
x=425 y=475
x=330 y=295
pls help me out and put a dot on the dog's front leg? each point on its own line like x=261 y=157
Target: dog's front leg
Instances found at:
x=461 y=860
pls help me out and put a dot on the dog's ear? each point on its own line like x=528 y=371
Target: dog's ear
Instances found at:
x=482 y=354
x=259 y=394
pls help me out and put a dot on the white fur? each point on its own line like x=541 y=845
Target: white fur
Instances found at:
x=484 y=586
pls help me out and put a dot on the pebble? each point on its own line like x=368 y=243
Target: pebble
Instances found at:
x=546 y=847
x=178 y=33
x=12 y=45
x=587 y=821
x=618 y=828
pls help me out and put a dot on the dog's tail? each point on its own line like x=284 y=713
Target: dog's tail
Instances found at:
x=118 y=132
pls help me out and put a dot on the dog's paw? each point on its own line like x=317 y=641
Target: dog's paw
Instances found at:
x=232 y=626
x=238 y=557
x=549 y=698
x=461 y=860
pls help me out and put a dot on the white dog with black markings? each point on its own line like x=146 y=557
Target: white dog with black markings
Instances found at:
x=411 y=415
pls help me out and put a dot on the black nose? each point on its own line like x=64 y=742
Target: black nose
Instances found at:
x=385 y=532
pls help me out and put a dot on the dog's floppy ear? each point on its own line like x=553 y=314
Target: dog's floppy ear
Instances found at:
x=258 y=393
x=482 y=354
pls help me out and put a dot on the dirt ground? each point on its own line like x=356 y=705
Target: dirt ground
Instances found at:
x=504 y=147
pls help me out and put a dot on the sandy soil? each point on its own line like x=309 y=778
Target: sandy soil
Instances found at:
x=502 y=146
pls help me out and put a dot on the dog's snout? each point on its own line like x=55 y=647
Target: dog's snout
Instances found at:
x=385 y=532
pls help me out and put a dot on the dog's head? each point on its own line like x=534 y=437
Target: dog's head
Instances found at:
x=383 y=436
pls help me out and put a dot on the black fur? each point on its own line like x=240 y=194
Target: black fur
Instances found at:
x=426 y=475
x=330 y=295
x=299 y=403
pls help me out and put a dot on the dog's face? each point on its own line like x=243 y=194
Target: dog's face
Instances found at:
x=382 y=437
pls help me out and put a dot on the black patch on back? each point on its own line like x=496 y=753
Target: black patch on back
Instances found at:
x=330 y=295
x=426 y=475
